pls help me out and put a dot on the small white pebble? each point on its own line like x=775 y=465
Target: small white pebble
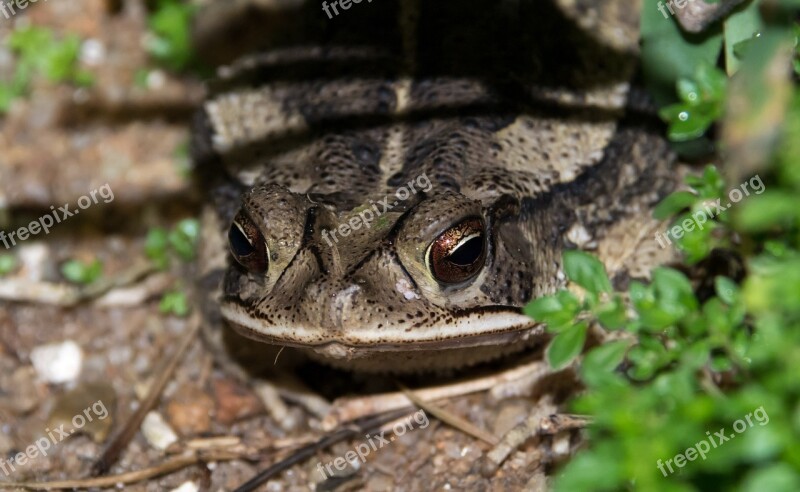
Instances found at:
x=561 y=444
x=579 y=235
x=156 y=79
x=33 y=257
x=80 y=95
x=93 y=52
x=186 y=487
x=157 y=432
x=58 y=363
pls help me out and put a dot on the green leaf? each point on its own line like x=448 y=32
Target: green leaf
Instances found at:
x=727 y=290
x=612 y=315
x=8 y=263
x=688 y=91
x=600 y=362
x=770 y=210
x=174 y=302
x=668 y=53
x=39 y=52
x=556 y=310
x=716 y=315
x=593 y=470
x=654 y=314
x=688 y=122
x=155 y=247
x=170 y=43
x=566 y=345
x=59 y=61
x=742 y=26
x=81 y=273
x=709 y=185
x=184 y=238
x=672 y=285
x=720 y=363
x=696 y=355
x=647 y=358
x=673 y=204
x=779 y=477
x=586 y=271
x=697 y=243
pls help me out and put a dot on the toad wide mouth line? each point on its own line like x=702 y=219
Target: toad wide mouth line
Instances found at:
x=482 y=326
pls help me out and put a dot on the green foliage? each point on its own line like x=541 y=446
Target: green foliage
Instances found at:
x=586 y=271
x=796 y=60
x=8 y=263
x=39 y=52
x=702 y=102
x=697 y=214
x=679 y=67
x=79 y=272
x=668 y=53
x=681 y=368
x=176 y=303
x=181 y=240
x=566 y=345
x=170 y=26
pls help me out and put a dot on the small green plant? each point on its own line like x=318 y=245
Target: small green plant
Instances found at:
x=181 y=240
x=706 y=190
x=682 y=368
x=170 y=25
x=182 y=158
x=174 y=302
x=8 y=263
x=82 y=273
x=39 y=52
x=702 y=103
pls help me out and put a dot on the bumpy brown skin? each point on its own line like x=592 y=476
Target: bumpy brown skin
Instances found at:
x=513 y=112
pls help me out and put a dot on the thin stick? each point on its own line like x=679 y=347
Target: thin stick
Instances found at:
x=309 y=450
x=67 y=295
x=121 y=440
x=170 y=465
x=451 y=419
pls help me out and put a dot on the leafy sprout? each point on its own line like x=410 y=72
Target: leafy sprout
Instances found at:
x=39 y=52
x=702 y=102
x=8 y=263
x=170 y=25
x=176 y=303
x=79 y=272
x=181 y=240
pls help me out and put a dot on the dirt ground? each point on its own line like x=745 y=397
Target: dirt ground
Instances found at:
x=62 y=143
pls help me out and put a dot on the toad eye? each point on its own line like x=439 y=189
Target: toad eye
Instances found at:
x=247 y=244
x=458 y=253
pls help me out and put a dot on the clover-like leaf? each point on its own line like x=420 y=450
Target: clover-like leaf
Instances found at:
x=586 y=271
x=566 y=345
